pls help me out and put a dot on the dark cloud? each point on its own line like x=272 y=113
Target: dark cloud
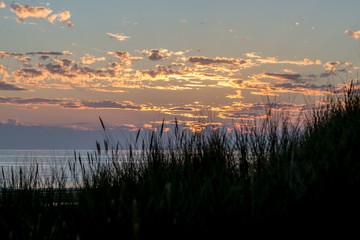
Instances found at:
x=44 y=57
x=109 y=104
x=160 y=71
x=300 y=86
x=37 y=101
x=158 y=54
x=63 y=53
x=285 y=76
x=155 y=55
x=207 y=61
x=73 y=104
x=28 y=73
x=9 y=55
x=66 y=62
x=181 y=109
x=10 y=87
x=22 y=56
x=120 y=54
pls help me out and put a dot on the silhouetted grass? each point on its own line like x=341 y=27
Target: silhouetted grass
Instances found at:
x=272 y=178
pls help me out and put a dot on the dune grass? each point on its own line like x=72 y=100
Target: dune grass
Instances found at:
x=273 y=178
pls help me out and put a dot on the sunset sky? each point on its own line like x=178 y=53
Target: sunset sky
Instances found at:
x=65 y=63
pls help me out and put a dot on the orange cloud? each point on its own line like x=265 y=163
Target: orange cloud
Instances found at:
x=252 y=55
x=2 y=5
x=61 y=17
x=118 y=36
x=88 y=59
x=353 y=34
x=237 y=95
x=2 y=69
x=26 y=11
x=274 y=60
x=330 y=66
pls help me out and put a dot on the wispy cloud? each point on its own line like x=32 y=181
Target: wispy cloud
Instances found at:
x=120 y=37
x=200 y=60
x=275 y=60
x=284 y=76
x=89 y=59
x=353 y=34
x=73 y=104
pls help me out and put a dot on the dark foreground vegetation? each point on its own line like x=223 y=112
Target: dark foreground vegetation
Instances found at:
x=279 y=178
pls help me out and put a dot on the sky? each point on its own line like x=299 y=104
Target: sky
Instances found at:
x=136 y=63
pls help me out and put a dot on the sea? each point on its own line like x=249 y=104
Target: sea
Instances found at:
x=44 y=157
x=46 y=161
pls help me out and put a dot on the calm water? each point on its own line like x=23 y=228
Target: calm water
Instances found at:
x=48 y=161
x=45 y=158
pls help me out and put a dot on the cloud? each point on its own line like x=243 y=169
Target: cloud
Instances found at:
x=252 y=55
x=274 y=60
x=61 y=17
x=75 y=73
x=10 y=55
x=120 y=55
x=2 y=5
x=161 y=71
x=28 y=73
x=2 y=69
x=125 y=56
x=14 y=122
x=88 y=59
x=110 y=105
x=71 y=104
x=183 y=20
x=353 y=34
x=155 y=55
x=20 y=101
x=27 y=11
x=22 y=56
x=63 y=53
x=159 y=54
x=284 y=76
x=237 y=95
x=10 y=87
x=207 y=61
x=119 y=37
x=330 y=66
